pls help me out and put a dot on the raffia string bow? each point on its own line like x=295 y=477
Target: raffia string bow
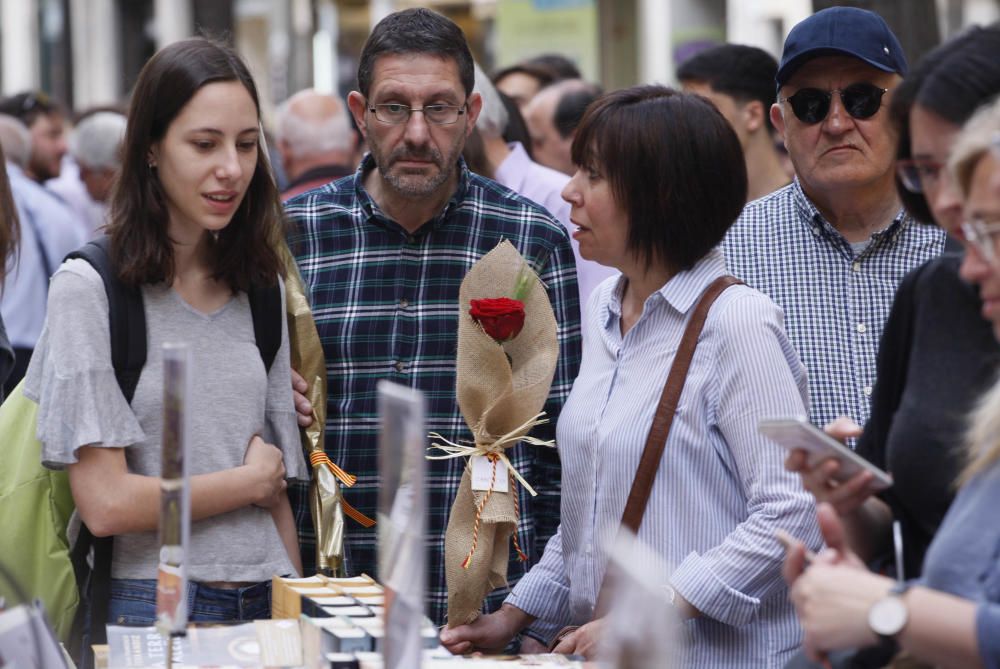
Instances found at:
x=501 y=390
x=494 y=453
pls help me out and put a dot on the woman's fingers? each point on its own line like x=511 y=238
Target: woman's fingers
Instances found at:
x=843 y=428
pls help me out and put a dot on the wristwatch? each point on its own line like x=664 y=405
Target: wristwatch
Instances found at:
x=887 y=617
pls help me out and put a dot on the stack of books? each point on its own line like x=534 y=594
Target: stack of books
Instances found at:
x=287 y=593
x=339 y=615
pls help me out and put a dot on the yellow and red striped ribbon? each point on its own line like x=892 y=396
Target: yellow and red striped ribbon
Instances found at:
x=321 y=459
x=355 y=515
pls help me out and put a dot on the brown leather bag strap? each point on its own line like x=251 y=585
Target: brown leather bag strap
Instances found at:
x=656 y=442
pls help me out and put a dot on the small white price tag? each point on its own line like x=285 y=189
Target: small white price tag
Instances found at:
x=482 y=474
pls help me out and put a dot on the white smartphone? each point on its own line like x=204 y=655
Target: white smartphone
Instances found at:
x=798 y=432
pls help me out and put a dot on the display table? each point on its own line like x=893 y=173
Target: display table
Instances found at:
x=318 y=623
x=252 y=645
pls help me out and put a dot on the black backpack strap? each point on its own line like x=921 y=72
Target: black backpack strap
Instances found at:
x=94 y=585
x=265 y=307
x=127 y=321
x=125 y=315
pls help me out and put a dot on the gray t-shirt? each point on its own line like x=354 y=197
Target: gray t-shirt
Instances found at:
x=232 y=399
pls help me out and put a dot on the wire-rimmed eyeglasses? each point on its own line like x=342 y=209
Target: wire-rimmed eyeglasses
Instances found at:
x=920 y=175
x=983 y=235
x=398 y=114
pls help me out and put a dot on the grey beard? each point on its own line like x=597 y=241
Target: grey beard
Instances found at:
x=412 y=186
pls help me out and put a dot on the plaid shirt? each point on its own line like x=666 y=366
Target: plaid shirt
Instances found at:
x=386 y=306
x=835 y=300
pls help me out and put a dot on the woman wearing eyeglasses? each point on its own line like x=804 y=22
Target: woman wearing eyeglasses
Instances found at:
x=937 y=354
x=951 y=615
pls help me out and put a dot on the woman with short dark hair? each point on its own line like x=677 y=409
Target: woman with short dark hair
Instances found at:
x=660 y=179
x=195 y=218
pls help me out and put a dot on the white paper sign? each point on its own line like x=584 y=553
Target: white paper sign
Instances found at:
x=483 y=474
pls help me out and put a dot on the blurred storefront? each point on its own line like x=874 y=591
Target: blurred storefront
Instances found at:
x=89 y=52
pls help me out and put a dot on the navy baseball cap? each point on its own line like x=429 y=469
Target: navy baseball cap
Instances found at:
x=846 y=31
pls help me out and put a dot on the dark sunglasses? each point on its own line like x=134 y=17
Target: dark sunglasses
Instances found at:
x=35 y=100
x=811 y=105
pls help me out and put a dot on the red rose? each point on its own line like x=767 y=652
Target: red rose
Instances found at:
x=501 y=317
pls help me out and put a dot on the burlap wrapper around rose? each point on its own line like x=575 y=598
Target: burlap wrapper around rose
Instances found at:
x=325 y=496
x=497 y=398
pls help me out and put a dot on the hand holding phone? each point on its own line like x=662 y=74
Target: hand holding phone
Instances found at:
x=798 y=433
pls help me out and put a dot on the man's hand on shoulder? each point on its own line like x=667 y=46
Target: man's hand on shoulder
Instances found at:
x=302 y=405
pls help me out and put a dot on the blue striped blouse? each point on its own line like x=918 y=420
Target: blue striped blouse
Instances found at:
x=721 y=489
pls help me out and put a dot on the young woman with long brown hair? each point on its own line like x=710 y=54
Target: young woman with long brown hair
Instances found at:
x=194 y=219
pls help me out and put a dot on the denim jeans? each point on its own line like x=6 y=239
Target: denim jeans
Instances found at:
x=133 y=602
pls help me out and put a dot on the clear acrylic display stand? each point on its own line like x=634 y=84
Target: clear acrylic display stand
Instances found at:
x=402 y=511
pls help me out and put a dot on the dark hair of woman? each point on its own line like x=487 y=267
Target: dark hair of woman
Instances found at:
x=9 y=228
x=674 y=165
x=245 y=251
x=951 y=81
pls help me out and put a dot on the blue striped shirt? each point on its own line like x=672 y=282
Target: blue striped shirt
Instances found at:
x=386 y=306
x=721 y=489
x=835 y=300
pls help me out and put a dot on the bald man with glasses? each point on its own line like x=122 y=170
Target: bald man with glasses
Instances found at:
x=831 y=247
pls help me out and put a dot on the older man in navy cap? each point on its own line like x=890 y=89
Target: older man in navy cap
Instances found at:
x=831 y=247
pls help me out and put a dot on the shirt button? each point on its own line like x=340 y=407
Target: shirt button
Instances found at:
x=855 y=266
x=861 y=328
x=400 y=367
x=403 y=303
x=411 y=239
x=868 y=390
x=589 y=549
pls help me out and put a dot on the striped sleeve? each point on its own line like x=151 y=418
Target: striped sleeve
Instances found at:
x=544 y=591
x=759 y=376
